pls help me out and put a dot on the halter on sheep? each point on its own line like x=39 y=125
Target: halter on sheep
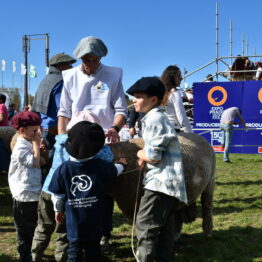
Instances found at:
x=199 y=169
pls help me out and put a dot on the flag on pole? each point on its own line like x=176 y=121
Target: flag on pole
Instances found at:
x=23 y=69
x=13 y=66
x=3 y=65
x=32 y=72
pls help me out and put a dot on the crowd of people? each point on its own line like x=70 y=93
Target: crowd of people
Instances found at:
x=76 y=110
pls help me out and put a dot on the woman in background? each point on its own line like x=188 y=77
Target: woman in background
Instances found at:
x=175 y=111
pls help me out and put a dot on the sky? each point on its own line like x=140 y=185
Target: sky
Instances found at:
x=143 y=36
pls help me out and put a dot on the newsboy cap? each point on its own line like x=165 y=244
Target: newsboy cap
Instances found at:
x=90 y=45
x=151 y=86
x=85 y=139
x=61 y=58
x=26 y=118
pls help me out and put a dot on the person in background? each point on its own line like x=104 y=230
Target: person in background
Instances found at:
x=83 y=204
x=175 y=111
x=47 y=98
x=259 y=71
x=238 y=66
x=164 y=183
x=24 y=179
x=11 y=112
x=209 y=78
x=226 y=124
x=249 y=69
x=3 y=111
x=27 y=108
x=135 y=118
x=47 y=102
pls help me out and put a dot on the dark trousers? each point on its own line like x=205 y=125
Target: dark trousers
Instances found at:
x=107 y=216
x=91 y=249
x=155 y=227
x=25 y=219
x=49 y=140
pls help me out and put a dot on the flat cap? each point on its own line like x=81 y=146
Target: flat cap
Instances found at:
x=90 y=45
x=60 y=59
x=151 y=86
x=26 y=118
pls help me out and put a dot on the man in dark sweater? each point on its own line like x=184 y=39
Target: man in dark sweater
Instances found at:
x=46 y=102
x=47 y=97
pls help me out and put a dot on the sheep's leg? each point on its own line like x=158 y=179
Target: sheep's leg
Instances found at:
x=207 y=208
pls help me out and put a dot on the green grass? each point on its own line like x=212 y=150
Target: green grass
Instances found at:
x=237 y=235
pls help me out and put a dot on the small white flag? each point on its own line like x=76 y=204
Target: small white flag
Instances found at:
x=23 y=69
x=32 y=71
x=13 y=66
x=3 y=65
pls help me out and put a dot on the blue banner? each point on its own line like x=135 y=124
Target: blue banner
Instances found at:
x=212 y=98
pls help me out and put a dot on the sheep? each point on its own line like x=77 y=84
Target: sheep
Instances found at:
x=199 y=169
x=6 y=134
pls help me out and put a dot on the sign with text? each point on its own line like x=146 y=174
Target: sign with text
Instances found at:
x=212 y=98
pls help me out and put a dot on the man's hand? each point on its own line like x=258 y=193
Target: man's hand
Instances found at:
x=112 y=136
x=59 y=218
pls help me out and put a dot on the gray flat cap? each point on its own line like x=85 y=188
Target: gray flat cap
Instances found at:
x=61 y=58
x=90 y=45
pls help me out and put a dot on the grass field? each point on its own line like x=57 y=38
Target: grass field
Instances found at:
x=237 y=235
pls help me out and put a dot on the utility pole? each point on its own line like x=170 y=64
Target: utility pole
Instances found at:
x=26 y=49
x=47 y=50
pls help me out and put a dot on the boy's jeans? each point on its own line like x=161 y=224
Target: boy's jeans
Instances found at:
x=227 y=138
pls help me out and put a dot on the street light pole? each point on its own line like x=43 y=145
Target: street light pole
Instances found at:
x=47 y=50
x=26 y=46
x=25 y=49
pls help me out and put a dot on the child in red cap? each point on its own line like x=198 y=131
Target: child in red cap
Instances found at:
x=24 y=179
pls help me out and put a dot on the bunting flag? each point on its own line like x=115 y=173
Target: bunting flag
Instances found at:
x=23 y=69
x=3 y=65
x=13 y=66
x=32 y=72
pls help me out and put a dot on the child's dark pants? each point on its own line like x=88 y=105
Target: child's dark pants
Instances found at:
x=155 y=227
x=91 y=249
x=25 y=219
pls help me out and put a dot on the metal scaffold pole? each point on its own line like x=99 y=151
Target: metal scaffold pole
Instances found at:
x=231 y=42
x=217 y=41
